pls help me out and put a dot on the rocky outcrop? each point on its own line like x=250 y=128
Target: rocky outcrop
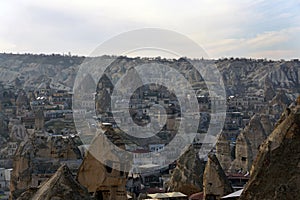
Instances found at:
x=243 y=155
x=18 y=131
x=278 y=104
x=188 y=174
x=21 y=102
x=38 y=158
x=223 y=152
x=99 y=172
x=21 y=173
x=267 y=124
x=281 y=99
x=215 y=182
x=249 y=140
x=269 y=91
x=60 y=186
x=275 y=172
x=257 y=130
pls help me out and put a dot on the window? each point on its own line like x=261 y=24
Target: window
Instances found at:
x=244 y=158
x=122 y=170
x=108 y=166
x=99 y=195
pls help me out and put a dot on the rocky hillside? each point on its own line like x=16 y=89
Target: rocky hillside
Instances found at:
x=241 y=76
x=275 y=172
x=32 y=70
x=260 y=76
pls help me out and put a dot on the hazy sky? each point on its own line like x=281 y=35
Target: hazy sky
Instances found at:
x=224 y=28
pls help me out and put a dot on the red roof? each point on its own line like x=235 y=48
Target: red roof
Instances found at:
x=240 y=176
x=196 y=196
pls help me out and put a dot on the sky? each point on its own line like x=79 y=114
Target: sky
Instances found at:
x=223 y=28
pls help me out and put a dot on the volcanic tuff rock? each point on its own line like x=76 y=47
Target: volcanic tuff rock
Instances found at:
x=281 y=99
x=257 y=130
x=188 y=174
x=60 y=186
x=3 y=128
x=275 y=172
x=247 y=75
x=243 y=155
x=37 y=158
x=279 y=103
x=32 y=70
x=215 y=182
x=249 y=140
x=104 y=181
x=241 y=76
x=269 y=90
x=223 y=152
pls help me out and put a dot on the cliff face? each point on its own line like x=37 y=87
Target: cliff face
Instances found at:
x=188 y=175
x=275 y=172
x=215 y=182
x=60 y=186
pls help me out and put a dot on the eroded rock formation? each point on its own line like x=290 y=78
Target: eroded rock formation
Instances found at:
x=38 y=158
x=243 y=155
x=279 y=103
x=215 y=182
x=223 y=152
x=249 y=140
x=257 y=131
x=188 y=175
x=104 y=181
x=275 y=172
x=60 y=186
x=269 y=91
